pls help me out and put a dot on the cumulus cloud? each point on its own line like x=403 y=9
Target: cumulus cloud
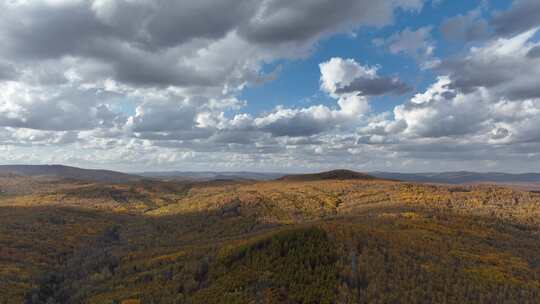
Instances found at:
x=345 y=80
x=499 y=113
x=468 y=27
x=30 y=137
x=441 y=111
x=282 y=22
x=341 y=76
x=503 y=65
x=171 y=42
x=414 y=43
x=534 y=52
x=7 y=71
x=312 y=120
x=36 y=107
x=71 y=51
x=522 y=16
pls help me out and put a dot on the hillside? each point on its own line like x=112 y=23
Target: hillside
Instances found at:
x=328 y=175
x=66 y=172
x=317 y=241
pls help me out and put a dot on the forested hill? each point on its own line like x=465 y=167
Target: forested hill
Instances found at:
x=335 y=239
x=340 y=174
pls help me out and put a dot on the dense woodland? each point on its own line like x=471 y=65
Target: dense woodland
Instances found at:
x=342 y=241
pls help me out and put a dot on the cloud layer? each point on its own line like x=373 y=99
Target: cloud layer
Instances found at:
x=139 y=84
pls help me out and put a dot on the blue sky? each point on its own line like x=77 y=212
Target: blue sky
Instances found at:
x=298 y=82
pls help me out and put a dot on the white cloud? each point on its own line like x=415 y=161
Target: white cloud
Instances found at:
x=468 y=27
x=337 y=73
x=345 y=76
x=415 y=43
x=471 y=114
x=502 y=65
x=441 y=111
x=40 y=108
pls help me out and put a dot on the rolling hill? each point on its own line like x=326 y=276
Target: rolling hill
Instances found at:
x=66 y=172
x=332 y=237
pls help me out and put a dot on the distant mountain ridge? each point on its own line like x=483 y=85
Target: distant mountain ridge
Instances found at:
x=457 y=177
x=210 y=175
x=340 y=174
x=461 y=177
x=67 y=172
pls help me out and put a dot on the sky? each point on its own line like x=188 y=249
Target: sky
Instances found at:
x=271 y=85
